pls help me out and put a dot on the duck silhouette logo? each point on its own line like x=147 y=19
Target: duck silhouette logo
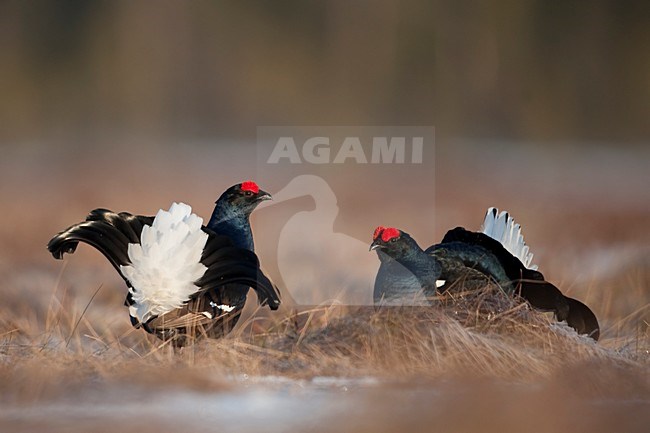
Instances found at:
x=317 y=264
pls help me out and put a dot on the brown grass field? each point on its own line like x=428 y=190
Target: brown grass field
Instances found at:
x=70 y=361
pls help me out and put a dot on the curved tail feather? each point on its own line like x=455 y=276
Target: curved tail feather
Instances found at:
x=544 y=296
x=531 y=284
x=129 y=225
x=582 y=319
x=111 y=234
x=106 y=231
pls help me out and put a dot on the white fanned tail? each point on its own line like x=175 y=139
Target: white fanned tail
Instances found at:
x=166 y=263
x=502 y=227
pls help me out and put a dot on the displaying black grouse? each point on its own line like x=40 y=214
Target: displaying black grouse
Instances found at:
x=231 y=218
x=470 y=259
x=184 y=279
x=407 y=275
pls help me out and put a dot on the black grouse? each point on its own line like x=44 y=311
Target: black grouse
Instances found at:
x=185 y=280
x=231 y=218
x=406 y=275
x=470 y=259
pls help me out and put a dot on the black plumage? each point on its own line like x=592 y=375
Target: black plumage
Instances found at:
x=231 y=218
x=528 y=283
x=212 y=309
x=407 y=275
x=471 y=259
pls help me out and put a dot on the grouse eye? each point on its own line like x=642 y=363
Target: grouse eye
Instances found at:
x=394 y=240
x=248 y=193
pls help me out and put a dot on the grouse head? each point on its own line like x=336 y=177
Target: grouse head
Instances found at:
x=243 y=197
x=393 y=242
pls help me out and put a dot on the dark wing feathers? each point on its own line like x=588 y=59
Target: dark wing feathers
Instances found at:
x=108 y=232
x=531 y=284
x=511 y=264
x=228 y=264
x=111 y=233
x=127 y=224
x=220 y=247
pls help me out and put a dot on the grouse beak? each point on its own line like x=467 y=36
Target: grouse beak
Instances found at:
x=376 y=245
x=263 y=196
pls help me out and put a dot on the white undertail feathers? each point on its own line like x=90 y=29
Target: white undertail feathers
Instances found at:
x=502 y=227
x=166 y=263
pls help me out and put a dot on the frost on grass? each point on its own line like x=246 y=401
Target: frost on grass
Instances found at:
x=482 y=333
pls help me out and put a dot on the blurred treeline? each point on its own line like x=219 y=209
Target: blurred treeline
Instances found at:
x=514 y=69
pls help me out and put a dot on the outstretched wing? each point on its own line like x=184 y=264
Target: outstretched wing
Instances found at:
x=530 y=284
x=108 y=232
x=153 y=257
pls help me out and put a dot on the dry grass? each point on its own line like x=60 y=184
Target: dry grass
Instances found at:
x=482 y=350
x=480 y=334
x=514 y=368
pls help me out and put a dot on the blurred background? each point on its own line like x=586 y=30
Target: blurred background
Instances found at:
x=87 y=72
x=539 y=107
